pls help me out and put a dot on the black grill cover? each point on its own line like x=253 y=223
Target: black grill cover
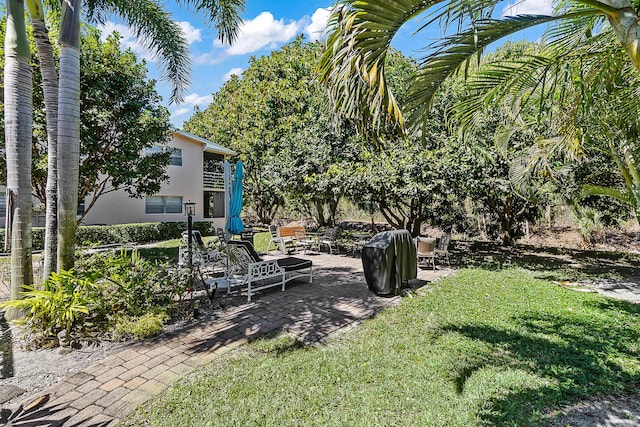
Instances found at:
x=389 y=260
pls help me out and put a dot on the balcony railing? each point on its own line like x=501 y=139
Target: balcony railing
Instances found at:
x=213 y=180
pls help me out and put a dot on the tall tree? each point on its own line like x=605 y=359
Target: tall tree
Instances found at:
x=120 y=118
x=18 y=129
x=277 y=117
x=50 y=88
x=158 y=32
x=68 y=132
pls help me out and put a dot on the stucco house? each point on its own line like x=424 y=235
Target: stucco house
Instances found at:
x=198 y=172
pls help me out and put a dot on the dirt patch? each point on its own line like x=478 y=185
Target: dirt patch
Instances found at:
x=611 y=411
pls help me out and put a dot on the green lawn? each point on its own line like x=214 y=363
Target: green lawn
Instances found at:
x=480 y=348
x=168 y=250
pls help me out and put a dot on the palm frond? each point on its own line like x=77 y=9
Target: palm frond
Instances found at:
x=353 y=63
x=451 y=53
x=225 y=14
x=598 y=190
x=157 y=31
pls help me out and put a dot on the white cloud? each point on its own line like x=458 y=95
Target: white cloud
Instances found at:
x=237 y=71
x=195 y=99
x=260 y=32
x=180 y=112
x=528 y=7
x=191 y=33
x=315 y=30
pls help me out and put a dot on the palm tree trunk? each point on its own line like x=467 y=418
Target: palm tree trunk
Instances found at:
x=624 y=21
x=68 y=133
x=50 y=89
x=18 y=92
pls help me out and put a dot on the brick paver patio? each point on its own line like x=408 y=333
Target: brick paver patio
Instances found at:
x=109 y=390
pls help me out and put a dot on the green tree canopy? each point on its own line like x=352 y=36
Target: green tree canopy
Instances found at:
x=277 y=116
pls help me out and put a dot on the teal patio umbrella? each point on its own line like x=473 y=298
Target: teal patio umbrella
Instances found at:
x=234 y=223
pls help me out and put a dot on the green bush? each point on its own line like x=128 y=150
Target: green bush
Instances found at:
x=94 y=235
x=146 y=326
x=115 y=289
x=63 y=305
x=132 y=285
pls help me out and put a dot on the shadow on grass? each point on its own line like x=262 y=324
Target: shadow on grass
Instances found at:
x=557 y=263
x=578 y=356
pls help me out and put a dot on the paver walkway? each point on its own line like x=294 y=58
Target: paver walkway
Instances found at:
x=109 y=390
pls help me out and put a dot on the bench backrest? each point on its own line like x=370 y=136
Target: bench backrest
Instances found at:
x=294 y=231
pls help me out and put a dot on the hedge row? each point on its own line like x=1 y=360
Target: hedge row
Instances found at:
x=92 y=235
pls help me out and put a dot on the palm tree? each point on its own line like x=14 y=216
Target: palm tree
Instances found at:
x=50 y=90
x=153 y=24
x=68 y=132
x=361 y=32
x=18 y=129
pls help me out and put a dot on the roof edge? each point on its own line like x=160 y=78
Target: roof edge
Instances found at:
x=209 y=146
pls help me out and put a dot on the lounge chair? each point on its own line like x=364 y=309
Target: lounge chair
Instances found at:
x=246 y=268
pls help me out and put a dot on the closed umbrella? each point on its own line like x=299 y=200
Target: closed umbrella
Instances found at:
x=234 y=224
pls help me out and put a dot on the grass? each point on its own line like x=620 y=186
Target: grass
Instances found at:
x=480 y=348
x=167 y=251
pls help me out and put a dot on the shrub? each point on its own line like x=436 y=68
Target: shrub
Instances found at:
x=93 y=235
x=63 y=305
x=115 y=289
x=132 y=285
x=145 y=326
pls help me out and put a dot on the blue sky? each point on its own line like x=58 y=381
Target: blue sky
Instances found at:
x=267 y=26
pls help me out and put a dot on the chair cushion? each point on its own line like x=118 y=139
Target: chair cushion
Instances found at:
x=293 y=263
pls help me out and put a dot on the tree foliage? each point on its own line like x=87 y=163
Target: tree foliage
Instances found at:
x=277 y=116
x=121 y=115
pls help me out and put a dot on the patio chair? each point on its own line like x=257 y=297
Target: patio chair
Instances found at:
x=330 y=238
x=209 y=264
x=303 y=240
x=246 y=268
x=425 y=249
x=221 y=235
x=442 y=247
x=275 y=239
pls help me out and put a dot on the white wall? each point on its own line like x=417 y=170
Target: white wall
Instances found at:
x=186 y=181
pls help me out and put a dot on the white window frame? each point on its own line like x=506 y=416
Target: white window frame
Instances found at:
x=176 y=154
x=163 y=203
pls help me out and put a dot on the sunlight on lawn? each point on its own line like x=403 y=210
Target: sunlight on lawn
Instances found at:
x=481 y=348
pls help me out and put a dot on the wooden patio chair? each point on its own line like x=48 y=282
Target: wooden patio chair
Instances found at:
x=426 y=250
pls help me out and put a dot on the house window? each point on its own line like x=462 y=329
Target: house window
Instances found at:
x=214 y=204
x=3 y=205
x=176 y=157
x=176 y=154
x=163 y=205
